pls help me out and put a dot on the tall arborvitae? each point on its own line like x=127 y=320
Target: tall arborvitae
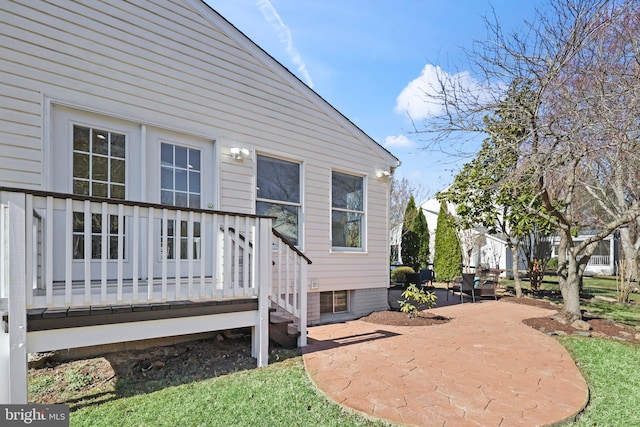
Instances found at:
x=447 y=261
x=410 y=243
x=423 y=232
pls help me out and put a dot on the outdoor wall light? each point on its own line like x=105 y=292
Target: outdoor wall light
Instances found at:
x=380 y=173
x=238 y=153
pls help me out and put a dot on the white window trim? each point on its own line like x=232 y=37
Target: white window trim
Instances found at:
x=365 y=205
x=108 y=128
x=301 y=215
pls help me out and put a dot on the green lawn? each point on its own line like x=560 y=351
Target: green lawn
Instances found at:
x=280 y=394
x=592 y=286
x=611 y=370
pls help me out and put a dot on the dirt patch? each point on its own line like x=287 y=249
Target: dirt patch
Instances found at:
x=125 y=373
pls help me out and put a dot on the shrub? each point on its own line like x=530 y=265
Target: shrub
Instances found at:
x=399 y=275
x=419 y=296
x=447 y=258
x=552 y=264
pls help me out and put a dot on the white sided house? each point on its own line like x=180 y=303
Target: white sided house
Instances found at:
x=161 y=175
x=491 y=250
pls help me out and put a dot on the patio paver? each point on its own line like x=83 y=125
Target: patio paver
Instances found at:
x=483 y=368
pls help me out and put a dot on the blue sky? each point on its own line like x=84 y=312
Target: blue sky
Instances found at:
x=369 y=59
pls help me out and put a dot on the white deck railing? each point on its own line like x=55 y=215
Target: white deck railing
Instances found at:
x=599 y=260
x=289 y=282
x=60 y=250
x=143 y=253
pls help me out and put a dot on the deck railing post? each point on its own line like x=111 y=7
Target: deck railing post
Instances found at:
x=13 y=345
x=263 y=281
x=302 y=327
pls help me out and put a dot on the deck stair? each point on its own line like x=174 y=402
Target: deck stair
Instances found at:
x=283 y=329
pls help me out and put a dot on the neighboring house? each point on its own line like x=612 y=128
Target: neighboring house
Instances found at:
x=493 y=252
x=604 y=260
x=148 y=148
x=490 y=250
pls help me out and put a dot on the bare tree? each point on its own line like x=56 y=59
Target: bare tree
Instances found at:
x=470 y=241
x=401 y=191
x=571 y=82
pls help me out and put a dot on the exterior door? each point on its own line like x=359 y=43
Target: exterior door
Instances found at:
x=92 y=155
x=180 y=173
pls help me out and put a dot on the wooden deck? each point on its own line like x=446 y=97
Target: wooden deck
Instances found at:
x=78 y=271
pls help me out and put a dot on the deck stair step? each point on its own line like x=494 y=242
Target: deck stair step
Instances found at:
x=283 y=330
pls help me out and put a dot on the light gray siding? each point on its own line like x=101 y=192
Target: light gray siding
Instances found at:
x=176 y=65
x=366 y=301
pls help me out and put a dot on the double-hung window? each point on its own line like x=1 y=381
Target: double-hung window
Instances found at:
x=278 y=195
x=347 y=211
x=99 y=160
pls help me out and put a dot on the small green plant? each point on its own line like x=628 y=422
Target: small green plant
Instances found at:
x=420 y=297
x=399 y=275
x=42 y=385
x=76 y=380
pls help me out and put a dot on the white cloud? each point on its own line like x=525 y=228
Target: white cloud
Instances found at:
x=284 y=33
x=398 y=141
x=422 y=97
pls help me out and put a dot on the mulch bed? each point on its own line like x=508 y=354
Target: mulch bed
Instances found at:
x=604 y=328
x=397 y=318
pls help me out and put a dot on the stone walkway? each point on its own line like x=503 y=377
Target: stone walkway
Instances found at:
x=483 y=368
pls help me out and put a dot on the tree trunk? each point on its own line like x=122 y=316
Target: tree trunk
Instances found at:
x=569 y=281
x=517 y=285
x=571 y=298
x=630 y=252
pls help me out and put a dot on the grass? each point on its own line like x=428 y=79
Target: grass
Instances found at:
x=624 y=314
x=41 y=385
x=611 y=370
x=282 y=394
x=592 y=286
x=279 y=394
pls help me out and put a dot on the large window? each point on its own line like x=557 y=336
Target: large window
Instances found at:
x=278 y=195
x=99 y=158
x=347 y=210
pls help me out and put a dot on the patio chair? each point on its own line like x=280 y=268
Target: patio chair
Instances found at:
x=467 y=286
x=426 y=277
x=412 y=279
x=476 y=285
x=453 y=285
x=486 y=282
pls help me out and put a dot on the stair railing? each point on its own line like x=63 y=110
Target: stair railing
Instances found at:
x=289 y=282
